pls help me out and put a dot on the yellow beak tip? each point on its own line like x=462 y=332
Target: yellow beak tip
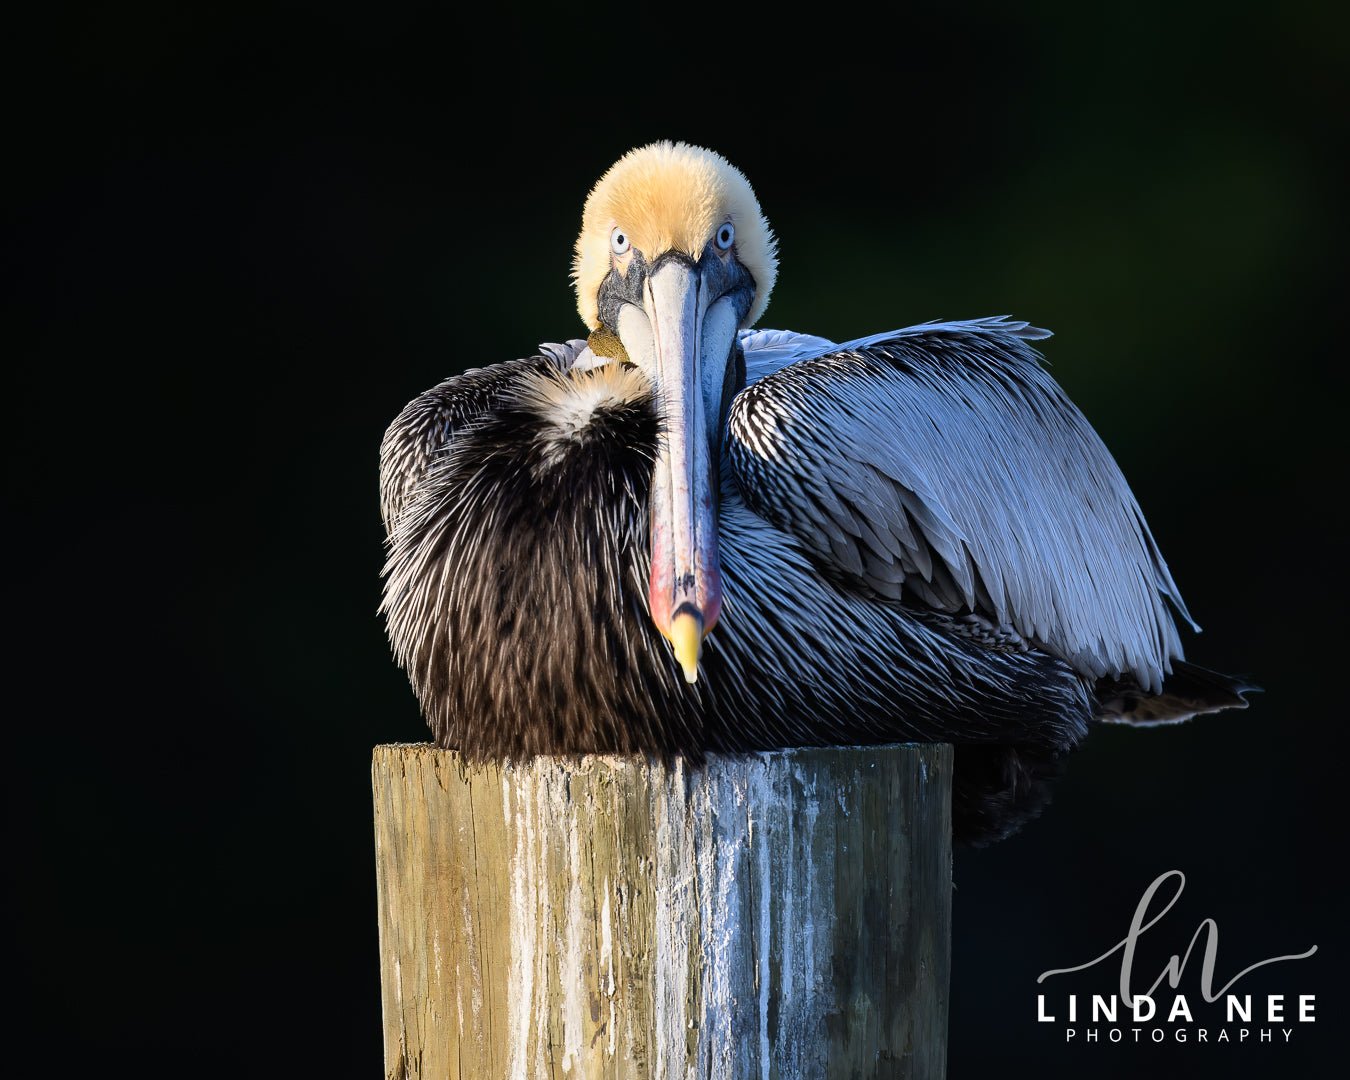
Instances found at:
x=686 y=635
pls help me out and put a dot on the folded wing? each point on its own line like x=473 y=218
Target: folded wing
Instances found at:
x=941 y=465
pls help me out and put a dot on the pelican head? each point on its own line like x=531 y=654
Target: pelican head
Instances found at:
x=674 y=258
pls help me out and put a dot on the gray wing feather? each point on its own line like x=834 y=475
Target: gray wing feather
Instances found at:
x=943 y=463
x=428 y=422
x=767 y=351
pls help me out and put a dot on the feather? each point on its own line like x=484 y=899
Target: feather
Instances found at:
x=949 y=448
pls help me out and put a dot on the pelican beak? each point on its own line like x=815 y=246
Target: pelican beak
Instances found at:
x=686 y=593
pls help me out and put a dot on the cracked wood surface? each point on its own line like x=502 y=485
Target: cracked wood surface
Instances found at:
x=772 y=915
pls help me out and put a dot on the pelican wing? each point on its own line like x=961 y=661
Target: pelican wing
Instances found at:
x=428 y=423
x=942 y=465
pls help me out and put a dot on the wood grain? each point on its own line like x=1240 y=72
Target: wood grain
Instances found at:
x=770 y=915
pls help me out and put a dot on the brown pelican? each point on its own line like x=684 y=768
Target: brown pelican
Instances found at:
x=683 y=535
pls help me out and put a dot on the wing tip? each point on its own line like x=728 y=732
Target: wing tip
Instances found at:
x=1020 y=328
x=1188 y=691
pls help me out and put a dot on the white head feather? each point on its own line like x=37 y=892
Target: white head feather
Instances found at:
x=671 y=197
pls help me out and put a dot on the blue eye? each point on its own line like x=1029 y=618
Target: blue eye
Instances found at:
x=726 y=236
x=618 y=241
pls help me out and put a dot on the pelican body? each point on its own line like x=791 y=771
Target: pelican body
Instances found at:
x=683 y=535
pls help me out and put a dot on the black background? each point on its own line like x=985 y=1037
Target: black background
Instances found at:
x=240 y=238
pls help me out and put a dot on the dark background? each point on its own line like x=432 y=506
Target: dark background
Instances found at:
x=240 y=238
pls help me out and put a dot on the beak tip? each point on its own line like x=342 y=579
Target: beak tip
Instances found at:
x=686 y=635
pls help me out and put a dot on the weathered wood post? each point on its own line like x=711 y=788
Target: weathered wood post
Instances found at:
x=782 y=914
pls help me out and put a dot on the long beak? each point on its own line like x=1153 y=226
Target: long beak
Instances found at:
x=686 y=593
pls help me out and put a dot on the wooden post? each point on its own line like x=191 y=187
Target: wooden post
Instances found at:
x=779 y=915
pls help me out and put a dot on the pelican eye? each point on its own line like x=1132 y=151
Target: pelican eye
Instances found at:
x=726 y=236
x=618 y=241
